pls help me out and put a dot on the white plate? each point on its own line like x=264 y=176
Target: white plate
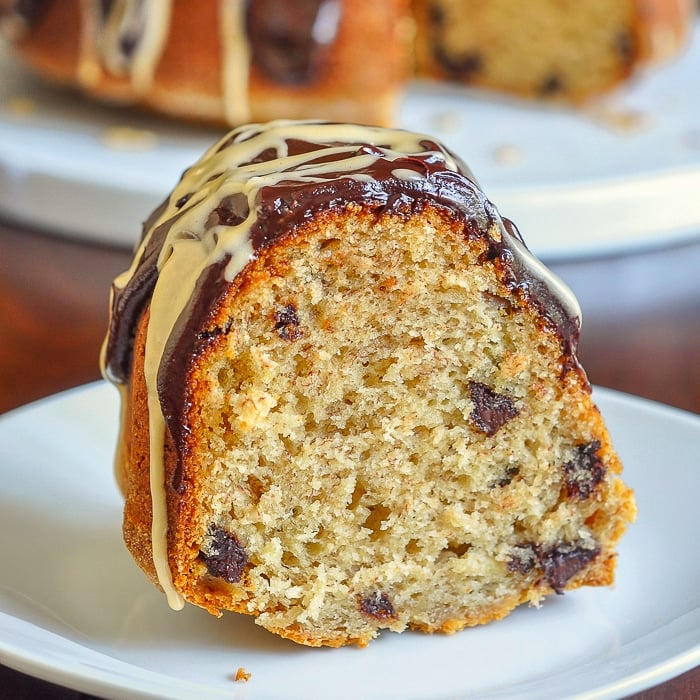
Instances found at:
x=577 y=183
x=74 y=609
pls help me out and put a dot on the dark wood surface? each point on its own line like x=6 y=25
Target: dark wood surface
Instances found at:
x=641 y=335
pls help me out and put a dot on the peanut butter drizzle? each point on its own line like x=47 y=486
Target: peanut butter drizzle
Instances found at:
x=89 y=68
x=143 y=24
x=235 y=62
x=271 y=168
x=126 y=39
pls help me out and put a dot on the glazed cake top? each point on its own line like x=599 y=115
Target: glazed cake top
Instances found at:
x=260 y=181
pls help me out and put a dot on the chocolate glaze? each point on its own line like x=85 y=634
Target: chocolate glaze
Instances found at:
x=389 y=183
x=535 y=289
x=30 y=12
x=105 y=7
x=285 y=40
x=187 y=341
x=128 y=303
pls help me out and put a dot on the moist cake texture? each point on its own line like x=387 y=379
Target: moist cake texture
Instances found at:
x=351 y=396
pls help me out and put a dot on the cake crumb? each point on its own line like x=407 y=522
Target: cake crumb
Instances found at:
x=21 y=107
x=620 y=118
x=126 y=138
x=242 y=676
x=507 y=154
x=449 y=121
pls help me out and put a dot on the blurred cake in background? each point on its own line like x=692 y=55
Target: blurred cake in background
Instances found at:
x=223 y=62
x=548 y=49
x=235 y=61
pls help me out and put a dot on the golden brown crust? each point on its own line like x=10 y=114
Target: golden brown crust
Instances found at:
x=138 y=512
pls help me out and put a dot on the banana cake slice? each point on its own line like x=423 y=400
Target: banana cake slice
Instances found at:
x=351 y=396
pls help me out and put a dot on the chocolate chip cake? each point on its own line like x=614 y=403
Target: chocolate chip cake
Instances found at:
x=552 y=49
x=230 y=61
x=351 y=396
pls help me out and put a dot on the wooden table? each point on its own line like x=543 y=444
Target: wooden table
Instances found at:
x=641 y=335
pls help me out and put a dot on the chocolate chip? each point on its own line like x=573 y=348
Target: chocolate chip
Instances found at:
x=559 y=563
x=491 y=410
x=562 y=562
x=377 y=605
x=226 y=558
x=463 y=67
x=214 y=332
x=287 y=323
x=436 y=15
x=522 y=558
x=128 y=43
x=584 y=472
x=508 y=475
x=625 y=46
x=551 y=85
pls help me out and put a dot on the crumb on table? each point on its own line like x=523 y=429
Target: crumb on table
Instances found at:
x=126 y=138
x=21 y=107
x=242 y=675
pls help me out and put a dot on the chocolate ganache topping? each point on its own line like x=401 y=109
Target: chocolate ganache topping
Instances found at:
x=289 y=40
x=258 y=185
x=260 y=182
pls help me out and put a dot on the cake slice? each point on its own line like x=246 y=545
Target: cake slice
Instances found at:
x=565 y=50
x=351 y=396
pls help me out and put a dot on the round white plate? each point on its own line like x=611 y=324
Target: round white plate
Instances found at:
x=618 y=177
x=74 y=608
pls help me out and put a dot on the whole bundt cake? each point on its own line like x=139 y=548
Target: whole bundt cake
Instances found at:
x=351 y=396
x=225 y=61
x=234 y=61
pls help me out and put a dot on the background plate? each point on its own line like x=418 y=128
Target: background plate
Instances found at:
x=74 y=608
x=618 y=177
